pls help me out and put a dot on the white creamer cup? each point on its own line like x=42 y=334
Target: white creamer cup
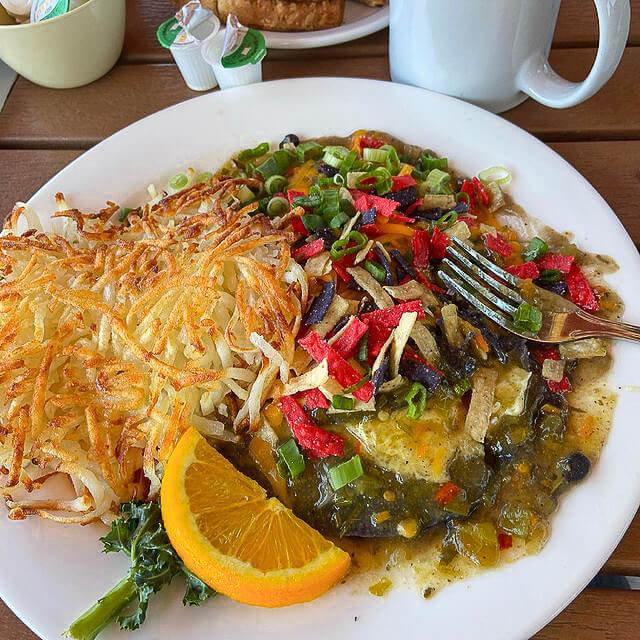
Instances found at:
x=233 y=77
x=187 y=53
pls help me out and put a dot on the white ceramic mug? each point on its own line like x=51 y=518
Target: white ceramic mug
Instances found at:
x=494 y=53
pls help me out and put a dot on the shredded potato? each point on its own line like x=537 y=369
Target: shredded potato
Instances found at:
x=115 y=337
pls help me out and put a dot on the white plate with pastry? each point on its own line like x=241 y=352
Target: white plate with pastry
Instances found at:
x=306 y=24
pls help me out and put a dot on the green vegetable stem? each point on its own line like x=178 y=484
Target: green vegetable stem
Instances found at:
x=140 y=534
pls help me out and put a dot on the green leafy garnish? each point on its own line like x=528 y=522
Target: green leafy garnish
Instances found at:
x=140 y=533
x=528 y=318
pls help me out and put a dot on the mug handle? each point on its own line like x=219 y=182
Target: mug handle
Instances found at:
x=538 y=79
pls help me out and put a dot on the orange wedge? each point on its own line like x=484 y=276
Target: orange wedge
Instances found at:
x=241 y=543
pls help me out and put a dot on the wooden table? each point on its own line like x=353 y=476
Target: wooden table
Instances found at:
x=41 y=130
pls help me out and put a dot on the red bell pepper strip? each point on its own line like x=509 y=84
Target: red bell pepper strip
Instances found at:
x=556 y=261
x=405 y=279
x=347 y=343
x=341 y=266
x=481 y=192
x=447 y=493
x=545 y=353
x=308 y=250
x=420 y=247
x=291 y=194
x=371 y=143
x=402 y=182
x=370 y=230
x=580 y=291
x=398 y=217
x=505 y=541
x=564 y=386
x=298 y=225
x=467 y=187
x=316 y=441
x=313 y=399
x=339 y=368
x=390 y=316
x=412 y=207
x=498 y=244
x=422 y=279
x=439 y=244
x=526 y=271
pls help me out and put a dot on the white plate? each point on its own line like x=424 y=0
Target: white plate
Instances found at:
x=359 y=21
x=51 y=573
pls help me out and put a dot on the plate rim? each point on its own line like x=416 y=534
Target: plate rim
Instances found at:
x=588 y=569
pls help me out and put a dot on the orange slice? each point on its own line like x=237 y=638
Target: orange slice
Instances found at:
x=241 y=543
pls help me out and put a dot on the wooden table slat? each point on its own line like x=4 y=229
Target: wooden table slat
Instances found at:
x=577 y=27
x=40 y=118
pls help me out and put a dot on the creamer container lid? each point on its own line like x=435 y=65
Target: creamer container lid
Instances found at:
x=242 y=45
x=45 y=9
x=171 y=33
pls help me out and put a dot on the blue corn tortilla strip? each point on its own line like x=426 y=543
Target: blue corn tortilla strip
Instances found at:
x=379 y=377
x=367 y=217
x=418 y=372
x=388 y=277
x=405 y=197
x=404 y=268
x=321 y=304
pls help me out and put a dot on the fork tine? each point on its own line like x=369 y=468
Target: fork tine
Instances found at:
x=494 y=268
x=483 y=291
x=492 y=282
x=457 y=286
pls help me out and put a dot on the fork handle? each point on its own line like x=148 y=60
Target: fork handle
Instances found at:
x=601 y=327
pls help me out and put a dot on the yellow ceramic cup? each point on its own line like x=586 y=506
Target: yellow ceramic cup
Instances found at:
x=68 y=51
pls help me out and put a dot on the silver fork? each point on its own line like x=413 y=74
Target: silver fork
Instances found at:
x=471 y=275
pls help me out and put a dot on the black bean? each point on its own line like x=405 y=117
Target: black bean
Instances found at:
x=290 y=138
x=575 y=467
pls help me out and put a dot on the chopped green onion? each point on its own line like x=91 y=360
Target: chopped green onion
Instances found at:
x=324 y=181
x=284 y=159
x=463 y=196
x=344 y=473
x=461 y=387
x=416 y=398
x=245 y=194
x=528 y=318
x=439 y=182
x=262 y=204
x=393 y=161
x=312 y=222
x=375 y=155
x=535 y=249
x=447 y=220
x=340 y=248
x=333 y=156
x=330 y=205
x=376 y=270
x=179 y=181
x=347 y=206
x=275 y=183
x=124 y=212
x=346 y=164
x=313 y=200
x=383 y=181
x=549 y=276
x=499 y=175
x=429 y=162
x=258 y=151
x=363 y=348
x=283 y=470
x=307 y=150
x=342 y=402
x=291 y=456
x=360 y=383
x=338 y=220
x=338 y=179
x=206 y=176
x=277 y=206
x=268 y=168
